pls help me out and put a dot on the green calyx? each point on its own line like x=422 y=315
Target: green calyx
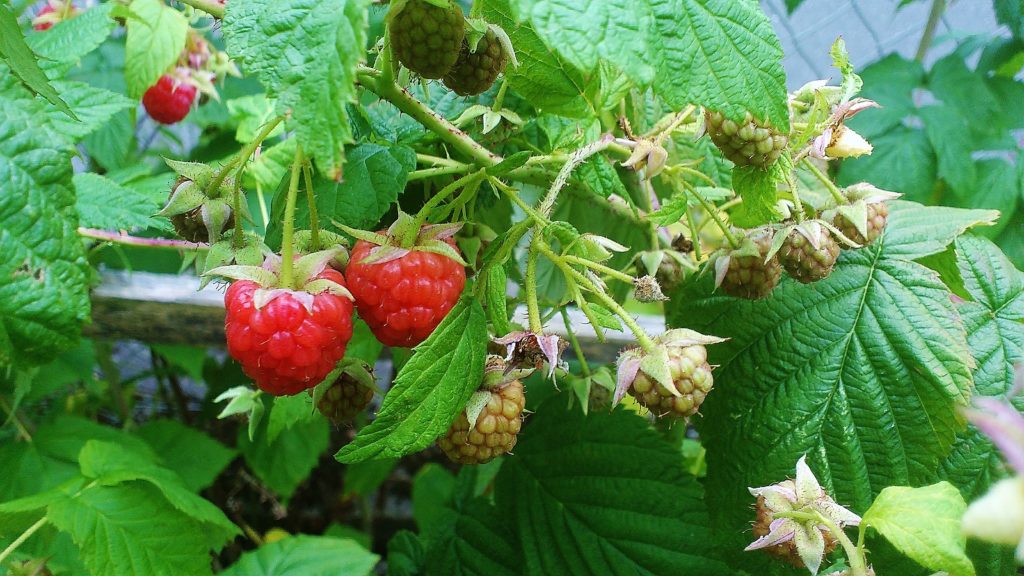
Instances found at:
x=406 y=236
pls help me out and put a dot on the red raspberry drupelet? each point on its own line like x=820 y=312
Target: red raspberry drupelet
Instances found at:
x=282 y=346
x=403 y=300
x=167 y=103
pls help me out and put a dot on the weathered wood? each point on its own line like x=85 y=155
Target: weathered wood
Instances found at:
x=170 y=309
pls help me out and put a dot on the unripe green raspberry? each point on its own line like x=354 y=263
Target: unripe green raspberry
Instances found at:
x=805 y=263
x=878 y=215
x=344 y=400
x=190 y=225
x=495 y=430
x=425 y=38
x=748 y=143
x=691 y=376
x=750 y=276
x=475 y=72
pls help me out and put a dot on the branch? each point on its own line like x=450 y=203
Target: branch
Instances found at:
x=126 y=239
x=211 y=7
x=430 y=120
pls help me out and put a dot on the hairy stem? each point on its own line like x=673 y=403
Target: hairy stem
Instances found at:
x=238 y=241
x=212 y=8
x=826 y=181
x=13 y=416
x=938 y=7
x=611 y=272
x=314 y=215
x=435 y=201
x=123 y=238
x=858 y=566
x=243 y=155
x=575 y=342
x=578 y=157
x=713 y=212
x=532 y=304
x=287 y=237
x=694 y=234
x=21 y=539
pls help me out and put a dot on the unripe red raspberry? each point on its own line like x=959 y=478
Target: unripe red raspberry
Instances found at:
x=747 y=143
x=750 y=276
x=691 y=376
x=805 y=263
x=345 y=399
x=494 y=432
x=475 y=72
x=878 y=216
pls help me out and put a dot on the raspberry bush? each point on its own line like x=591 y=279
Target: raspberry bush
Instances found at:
x=451 y=287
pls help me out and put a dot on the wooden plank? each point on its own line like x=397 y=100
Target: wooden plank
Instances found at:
x=170 y=309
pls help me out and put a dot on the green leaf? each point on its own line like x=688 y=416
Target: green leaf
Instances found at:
x=430 y=391
x=891 y=82
x=405 y=555
x=43 y=275
x=64 y=45
x=993 y=318
x=197 y=458
x=289 y=411
x=22 y=61
x=998 y=186
x=305 y=53
x=305 y=556
x=497 y=299
x=130 y=529
x=156 y=37
x=252 y=113
x=94 y=107
x=570 y=493
x=1011 y=13
x=375 y=175
x=113 y=464
x=873 y=359
x=432 y=497
x=543 y=78
x=598 y=174
x=718 y=53
x=287 y=461
x=946 y=127
x=101 y=203
x=364 y=478
x=759 y=190
x=924 y=524
x=476 y=541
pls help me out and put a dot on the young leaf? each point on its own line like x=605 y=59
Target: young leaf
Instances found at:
x=43 y=275
x=303 y=54
x=993 y=320
x=156 y=37
x=571 y=491
x=430 y=391
x=924 y=524
x=759 y=190
x=874 y=358
x=306 y=555
x=719 y=53
x=22 y=61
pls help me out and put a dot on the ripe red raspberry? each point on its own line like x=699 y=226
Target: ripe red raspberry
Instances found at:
x=403 y=300
x=495 y=430
x=44 y=25
x=284 y=346
x=167 y=103
x=691 y=376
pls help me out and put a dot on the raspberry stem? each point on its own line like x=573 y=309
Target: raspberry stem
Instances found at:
x=796 y=198
x=238 y=241
x=858 y=566
x=712 y=211
x=127 y=240
x=314 y=217
x=287 y=239
x=21 y=539
x=575 y=342
x=532 y=305
x=832 y=188
x=694 y=234
x=242 y=157
x=599 y=268
x=575 y=159
x=409 y=240
x=212 y=8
